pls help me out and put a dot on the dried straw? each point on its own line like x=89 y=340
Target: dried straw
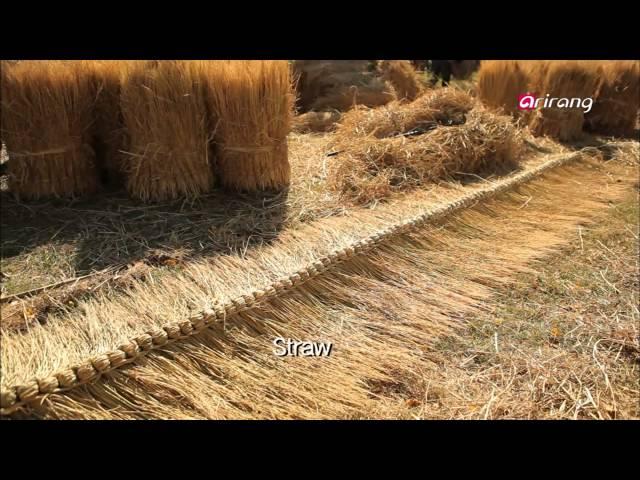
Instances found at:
x=437 y=106
x=251 y=106
x=369 y=168
x=46 y=122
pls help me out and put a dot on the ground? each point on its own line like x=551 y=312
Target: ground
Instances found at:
x=558 y=343
x=563 y=343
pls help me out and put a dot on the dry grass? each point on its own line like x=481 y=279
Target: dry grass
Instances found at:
x=437 y=106
x=565 y=79
x=615 y=111
x=499 y=84
x=251 y=108
x=165 y=116
x=384 y=313
x=403 y=77
x=46 y=126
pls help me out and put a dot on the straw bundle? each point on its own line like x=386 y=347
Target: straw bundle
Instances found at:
x=46 y=118
x=536 y=73
x=369 y=168
x=444 y=105
x=616 y=107
x=164 y=112
x=499 y=84
x=403 y=77
x=463 y=69
x=340 y=85
x=567 y=79
x=251 y=106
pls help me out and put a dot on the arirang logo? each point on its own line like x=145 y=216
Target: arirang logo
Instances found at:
x=529 y=101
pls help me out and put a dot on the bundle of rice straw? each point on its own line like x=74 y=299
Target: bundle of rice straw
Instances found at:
x=500 y=82
x=615 y=109
x=165 y=115
x=536 y=73
x=339 y=84
x=316 y=122
x=368 y=169
x=403 y=77
x=109 y=135
x=251 y=107
x=565 y=79
x=46 y=121
x=443 y=105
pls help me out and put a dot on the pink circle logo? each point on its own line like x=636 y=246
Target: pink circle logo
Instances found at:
x=526 y=101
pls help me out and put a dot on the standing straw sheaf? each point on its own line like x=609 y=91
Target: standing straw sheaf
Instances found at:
x=499 y=84
x=251 y=108
x=46 y=123
x=403 y=77
x=567 y=79
x=615 y=110
x=165 y=116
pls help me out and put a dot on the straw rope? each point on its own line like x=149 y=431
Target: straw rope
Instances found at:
x=52 y=151
x=90 y=370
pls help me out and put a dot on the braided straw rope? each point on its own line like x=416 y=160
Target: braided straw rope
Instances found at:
x=37 y=389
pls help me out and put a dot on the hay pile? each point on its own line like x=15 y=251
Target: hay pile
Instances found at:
x=317 y=122
x=403 y=77
x=374 y=162
x=499 y=84
x=46 y=125
x=339 y=85
x=250 y=108
x=616 y=106
x=165 y=115
x=567 y=79
x=438 y=106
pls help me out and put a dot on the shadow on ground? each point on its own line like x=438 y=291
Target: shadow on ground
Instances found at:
x=111 y=229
